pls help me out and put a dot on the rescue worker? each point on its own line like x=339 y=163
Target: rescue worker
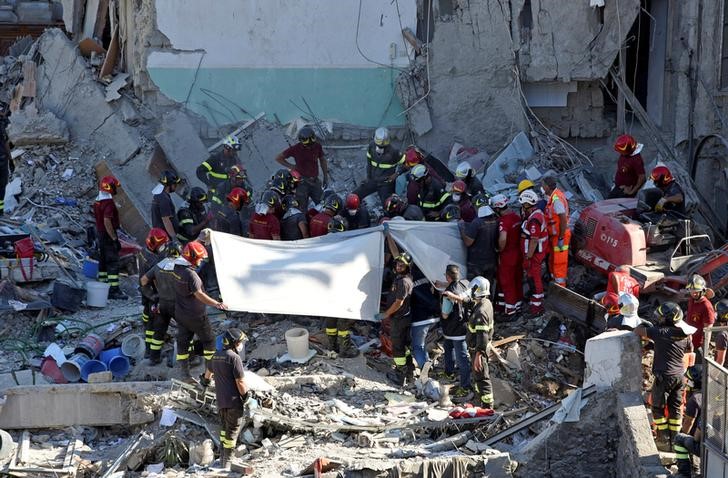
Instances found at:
x=610 y=301
x=425 y=315
x=164 y=215
x=721 y=338
x=687 y=442
x=214 y=171
x=337 y=224
x=481 y=239
x=628 y=317
x=264 y=224
x=630 y=174
x=237 y=178
x=620 y=280
x=557 y=215
x=227 y=218
x=466 y=173
x=382 y=162
x=6 y=159
x=453 y=320
x=701 y=313
x=308 y=156
x=510 y=257
x=156 y=244
x=671 y=337
x=526 y=185
x=107 y=232
x=294 y=225
x=231 y=391
x=318 y=226
x=461 y=198
x=395 y=206
x=189 y=307
x=195 y=217
x=480 y=331
x=432 y=197
x=404 y=186
x=673 y=198
x=533 y=245
x=355 y=213
x=161 y=280
x=451 y=213
x=398 y=311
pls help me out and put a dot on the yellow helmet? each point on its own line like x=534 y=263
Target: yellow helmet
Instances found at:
x=525 y=184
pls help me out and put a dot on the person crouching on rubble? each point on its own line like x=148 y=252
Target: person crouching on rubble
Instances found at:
x=226 y=367
x=673 y=198
x=189 y=307
x=671 y=337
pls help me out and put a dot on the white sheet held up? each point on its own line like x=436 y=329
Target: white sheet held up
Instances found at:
x=338 y=275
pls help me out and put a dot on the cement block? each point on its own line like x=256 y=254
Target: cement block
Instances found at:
x=28 y=127
x=182 y=145
x=6 y=381
x=25 y=377
x=613 y=361
x=419 y=118
x=637 y=454
x=100 y=377
x=96 y=404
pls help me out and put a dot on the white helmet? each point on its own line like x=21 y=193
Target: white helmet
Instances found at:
x=463 y=170
x=479 y=287
x=232 y=142
x=499 y=201
x=628 y=304
x=418 y=172
x=485 y=211
x=381 y=137
x=528 y=197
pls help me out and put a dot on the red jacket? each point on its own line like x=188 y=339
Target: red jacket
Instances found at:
x=534 y=229
x=264 y=226
x=511 y=224
x=700 y=315
x=319 y=225
x=622 y=282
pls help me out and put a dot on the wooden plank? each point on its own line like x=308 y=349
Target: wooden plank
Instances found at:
x=17 y=98
x=24 y=453
x=111 y=56
x=507 y=340
x=102 y=15
x=131 y=219
x=29 y=86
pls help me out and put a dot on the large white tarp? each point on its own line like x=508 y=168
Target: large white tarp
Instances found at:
x=338 y=275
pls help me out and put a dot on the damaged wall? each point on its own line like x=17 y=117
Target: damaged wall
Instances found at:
x=248 y=57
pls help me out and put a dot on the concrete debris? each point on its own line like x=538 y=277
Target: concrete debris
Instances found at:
x=29 y=127
x=182 y=146
x=112 y=89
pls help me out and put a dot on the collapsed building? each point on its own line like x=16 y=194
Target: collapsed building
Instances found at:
x=136 y=87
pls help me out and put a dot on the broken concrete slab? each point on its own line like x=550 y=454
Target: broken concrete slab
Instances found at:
x=112 y=89
x=261 y=143
x=68 y=88
x=610 y=359
x=29 y=127
x=182 y=145
x=98 y=404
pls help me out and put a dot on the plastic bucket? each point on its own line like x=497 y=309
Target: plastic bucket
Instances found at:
x=97 y=294
x=133 y=346
x=92 y=366
x=71 y=369
x=91 y=345
x=117 y=363
x=67 y=297
x=90 y=268
x=49 y=368
x=297 y=342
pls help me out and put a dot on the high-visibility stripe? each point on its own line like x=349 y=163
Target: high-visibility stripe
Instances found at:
x=208 y=354
x=155 y=347
x=183 y=356
x=217 y=175
x=206 y=165
x=433 y=205
x=343 y=333
x=681 y=453
x=149 y=333
x=384 y=165
x=331 y=331
x=561 y=249
x=674 y=428
x=399 y=361
x=186 y=221
x=486 y=397
x=216 y=199
x=158 y=342
x=458 y=337
x=369 y=155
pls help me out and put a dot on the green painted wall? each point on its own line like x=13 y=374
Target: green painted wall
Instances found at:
x=361 y=96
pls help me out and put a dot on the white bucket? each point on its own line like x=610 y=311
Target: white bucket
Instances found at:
x=297 y=342
x=133 y=346
x=97 y=294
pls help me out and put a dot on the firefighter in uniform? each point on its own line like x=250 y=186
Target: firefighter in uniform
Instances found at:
x=533 y=245
x=701 y=313
x=557 y=214
x=673 y=197
x=480 y=331
x=466 y=173
x=156 y=243
x=193 y=218
x=227 y=218
x=158 y=284
x=308 y=156
x=107 y=226
x=163 y=210
x=671 y=337
x=319 y=224
x=687 y=442
x=226 y=368
x=382 y=162
x=189 y=307
x=398 y=311
x=356 y=214
x=721 y=338
x=214 y=171
x=510 y=258
x=432 y=197
x=6 y=162
x=264 y=224
x=620 y=280
x=395 y=206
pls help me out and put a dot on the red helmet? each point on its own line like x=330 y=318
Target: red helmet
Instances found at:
x=194 y=252
x=393 y=204
x=239 y=197
x=413 y=156
x=459 y=186
x=661 y=176
x=625 y=145
x=109 y=184
x=352 y=201
x=237 y=171
x=611 y=302
x=156 y=239
x=295 y=176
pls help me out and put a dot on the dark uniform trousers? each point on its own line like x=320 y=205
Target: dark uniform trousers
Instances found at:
x=481 y=380
x=667 y=390
x=685 y=447
x=232 y=422
x=337 y=327
x=160 y=319
x=108 y=260
x=383 y=188
x=401 y=339
x=187 y=328
x=148 y=322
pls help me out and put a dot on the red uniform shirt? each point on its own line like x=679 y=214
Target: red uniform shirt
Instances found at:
x=628 y=169
x=413 y=187
x=264 y=226
x=319 y=225
x=700 y=315
x=306 y=158
x=622 y=282
x=467 y=210
x=534 y=229
x=511 y=224
x=106 y=209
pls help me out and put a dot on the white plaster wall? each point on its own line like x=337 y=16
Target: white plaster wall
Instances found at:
x=282 y=33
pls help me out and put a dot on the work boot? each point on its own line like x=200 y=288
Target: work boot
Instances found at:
x=346 y=347
x=398 y=376
x=184 y=371
x=409 y=369
x=333 y=343
x=225 y=458
x=662 y=441
x=155 y=357
x=116 y=294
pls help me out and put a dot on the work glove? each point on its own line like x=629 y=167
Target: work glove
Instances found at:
x=379 y=316
x=660 y=206
x=205 y=382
